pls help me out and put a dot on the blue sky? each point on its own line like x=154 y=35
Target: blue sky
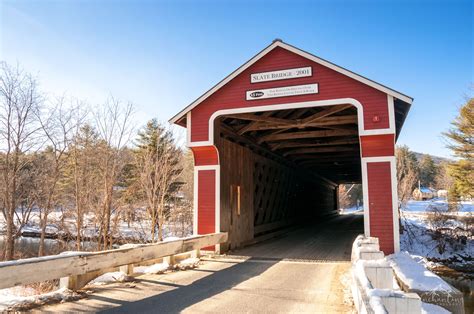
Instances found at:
x=161 y=55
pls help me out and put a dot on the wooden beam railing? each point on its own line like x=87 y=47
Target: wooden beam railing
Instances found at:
x=69 y=267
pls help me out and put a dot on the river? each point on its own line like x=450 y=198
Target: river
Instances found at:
x=28 y=246
x=463 y=281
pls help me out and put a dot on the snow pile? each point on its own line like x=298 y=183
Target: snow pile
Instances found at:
x=415 y=275
x=159 y=268
x=116 y=276
x=351 y=210
x=188 y=263
x=18 y=298
x=428 y=308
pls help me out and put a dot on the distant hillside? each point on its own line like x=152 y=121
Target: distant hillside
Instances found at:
x=437 y=160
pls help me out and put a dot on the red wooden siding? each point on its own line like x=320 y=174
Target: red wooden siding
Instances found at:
x=206 y=201
x=380 y=204
x=331 y=85
x=378 y=145
x=205 y=155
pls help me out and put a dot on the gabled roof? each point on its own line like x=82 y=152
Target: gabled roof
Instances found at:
x=279 y=43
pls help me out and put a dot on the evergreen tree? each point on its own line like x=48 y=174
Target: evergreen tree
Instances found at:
x=428 y=171
x=461 y=143
x=158 y=167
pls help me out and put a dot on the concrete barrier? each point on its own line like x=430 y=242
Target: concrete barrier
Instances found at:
x=373 y=286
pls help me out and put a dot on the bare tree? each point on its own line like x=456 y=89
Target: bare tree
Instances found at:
x=58 y=125
x=81 y=178
x=19 y=104
x=114 y=127
x=158 y=165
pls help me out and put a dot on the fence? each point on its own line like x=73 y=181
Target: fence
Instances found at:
x=77 y=268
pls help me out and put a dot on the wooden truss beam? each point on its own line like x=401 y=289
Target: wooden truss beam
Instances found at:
x=314 y=143
x=248 y=126
x=328 y=149
x=324 y=113
x=268 y=153
x=260 y=118
x=306 y=134
x=298 y=124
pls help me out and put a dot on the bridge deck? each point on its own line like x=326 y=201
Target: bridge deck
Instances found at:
x=329 y=241
x=294 y=273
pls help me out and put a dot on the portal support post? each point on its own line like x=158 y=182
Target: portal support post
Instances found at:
x=206 y=207
x=379 y=181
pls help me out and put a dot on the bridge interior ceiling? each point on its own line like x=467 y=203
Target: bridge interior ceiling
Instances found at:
x=318 y=140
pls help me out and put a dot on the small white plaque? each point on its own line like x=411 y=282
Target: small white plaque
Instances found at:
x=280 y=75
x=282 y=91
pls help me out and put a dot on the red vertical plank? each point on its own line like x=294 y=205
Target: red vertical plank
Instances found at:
x=206 y=201
x=380 y=204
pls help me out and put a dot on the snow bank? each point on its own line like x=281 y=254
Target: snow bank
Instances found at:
x=16 y=297
x=415 y=275
x=116 y=276
x=188 y=263
x=159 y=268
x=428 y=308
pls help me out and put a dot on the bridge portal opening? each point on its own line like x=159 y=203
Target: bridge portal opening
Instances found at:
x=282 y=168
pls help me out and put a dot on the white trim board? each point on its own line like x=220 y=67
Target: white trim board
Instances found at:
x=302 y=53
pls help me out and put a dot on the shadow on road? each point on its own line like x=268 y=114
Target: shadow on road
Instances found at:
x=176 y=300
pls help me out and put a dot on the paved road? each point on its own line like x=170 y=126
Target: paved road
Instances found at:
x=299 y=272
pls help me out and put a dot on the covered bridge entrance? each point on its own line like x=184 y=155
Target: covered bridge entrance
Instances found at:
x=274 y=139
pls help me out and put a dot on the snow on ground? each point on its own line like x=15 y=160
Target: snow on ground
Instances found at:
x=20 y=296
x=419 y=238
x=351 y=210
x=158 y=268
x=116 y=276
x=412 y=206
x=136 y=231
x=428 y=308
x=414 y=274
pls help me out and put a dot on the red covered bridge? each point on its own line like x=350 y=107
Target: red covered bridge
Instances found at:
x=275 y=138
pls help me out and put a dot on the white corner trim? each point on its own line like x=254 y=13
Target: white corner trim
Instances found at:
x=195 y=202
x=365 y=197
x=302 y=53
x=396 y=231
x=188 y=127
x=394 y=192
x=391 y=113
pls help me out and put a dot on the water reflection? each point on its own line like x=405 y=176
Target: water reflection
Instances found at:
x=26 y=247
x=464 y=282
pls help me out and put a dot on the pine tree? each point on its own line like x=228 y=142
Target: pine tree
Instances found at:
x=158 y=169
x=461 y=143
x=428 y=171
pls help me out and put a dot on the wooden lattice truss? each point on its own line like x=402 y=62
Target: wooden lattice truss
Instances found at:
x=323 y=140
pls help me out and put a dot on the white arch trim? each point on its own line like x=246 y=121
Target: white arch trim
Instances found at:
x=308 y=104
x=297 y=105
